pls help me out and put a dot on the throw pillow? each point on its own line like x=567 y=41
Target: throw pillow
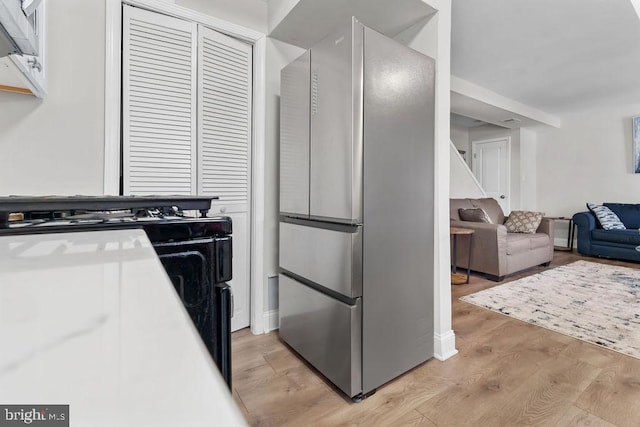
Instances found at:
x=607 y=219
x=629 y=213
x=523 y=222
x=474 y=215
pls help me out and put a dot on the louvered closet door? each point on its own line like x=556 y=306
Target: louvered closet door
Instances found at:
x=159 y=103
x=224 y=147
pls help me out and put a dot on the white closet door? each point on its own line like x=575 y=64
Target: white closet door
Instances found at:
x=159 y=103
x=224 y=147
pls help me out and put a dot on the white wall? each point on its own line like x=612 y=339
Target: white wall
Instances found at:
x=55 y=145
x=460 y=138
x=589 y=159
x=528 y=170
x=278 y=9
x=485 y=132
x=247 y=13
x=462 y=182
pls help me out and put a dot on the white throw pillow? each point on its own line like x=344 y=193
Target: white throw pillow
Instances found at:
x=607 y=219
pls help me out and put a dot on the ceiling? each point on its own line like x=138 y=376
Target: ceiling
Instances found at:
x=469 y=112
x=311 y=20
x=556 y=56
x=465 y=122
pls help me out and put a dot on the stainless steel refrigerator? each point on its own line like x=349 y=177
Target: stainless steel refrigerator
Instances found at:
x=356 y=203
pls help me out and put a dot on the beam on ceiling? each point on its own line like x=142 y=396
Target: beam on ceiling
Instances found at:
x=473 y=91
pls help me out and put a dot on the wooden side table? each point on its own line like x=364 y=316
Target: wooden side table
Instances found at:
x=456 y=278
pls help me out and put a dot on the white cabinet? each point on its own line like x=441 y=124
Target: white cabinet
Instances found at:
x=24 y=73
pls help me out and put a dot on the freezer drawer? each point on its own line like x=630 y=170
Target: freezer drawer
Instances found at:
x=324 y=331
x=331 y=258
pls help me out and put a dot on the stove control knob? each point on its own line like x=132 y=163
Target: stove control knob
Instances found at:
x=223 y=209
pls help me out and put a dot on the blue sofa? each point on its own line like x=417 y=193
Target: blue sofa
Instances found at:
x=593 y=240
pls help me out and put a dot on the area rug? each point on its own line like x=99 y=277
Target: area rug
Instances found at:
x=594 y=302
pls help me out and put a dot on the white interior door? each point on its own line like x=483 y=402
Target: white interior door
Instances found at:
x=224 y=148
x=491 y=166
x=158 y=104
x=187 y=104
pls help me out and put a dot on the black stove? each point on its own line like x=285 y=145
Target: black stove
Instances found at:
x=52 y=212
x=196 y=252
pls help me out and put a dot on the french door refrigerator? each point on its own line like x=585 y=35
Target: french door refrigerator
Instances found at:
x=356 y=204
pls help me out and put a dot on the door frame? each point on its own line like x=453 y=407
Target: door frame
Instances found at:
x=112 y=124
x=474 y=145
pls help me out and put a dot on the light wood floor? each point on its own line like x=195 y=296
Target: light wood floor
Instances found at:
x=506 y=373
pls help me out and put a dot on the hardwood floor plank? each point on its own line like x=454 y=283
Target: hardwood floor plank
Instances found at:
x=507 y=372
x=240 y=403
x=576 y=417
x=413 y=419
x=592 y=354
x=487 y=389
x=280 y=399
x=253 y=376
x=542 y=399
x=615 y=393
x=390 y=402
x=247 y=349
x=469 y=320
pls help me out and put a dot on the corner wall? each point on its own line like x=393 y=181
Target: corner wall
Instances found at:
x=433 y=37
x=56 y=145
x=589 y=159
x=528 y=170
x=460 y=138
x=462 y=183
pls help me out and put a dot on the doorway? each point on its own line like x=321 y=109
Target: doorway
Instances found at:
x=491 y=165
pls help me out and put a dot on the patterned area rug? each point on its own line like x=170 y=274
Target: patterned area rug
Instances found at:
x=593 y=302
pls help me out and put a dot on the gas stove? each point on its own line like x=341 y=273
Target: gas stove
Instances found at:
x=54 y=214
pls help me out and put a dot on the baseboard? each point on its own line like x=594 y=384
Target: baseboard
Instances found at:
x=445 y=345
x=271 y=321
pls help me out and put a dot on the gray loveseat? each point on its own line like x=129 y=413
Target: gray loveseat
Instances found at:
x=496 y=252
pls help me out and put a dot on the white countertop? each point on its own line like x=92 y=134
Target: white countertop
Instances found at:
x=91 y=320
